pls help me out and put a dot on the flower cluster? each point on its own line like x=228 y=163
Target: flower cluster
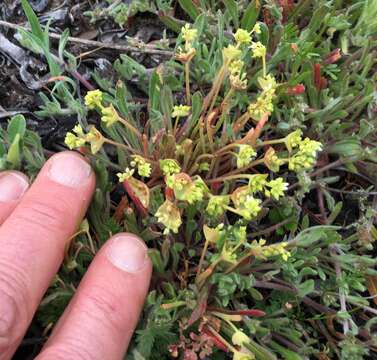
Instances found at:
x=169 y=167
x=242 y=36
x=265 y=251
x=78 y=138
x=189 y=36
x=217 y=205
x=237 y=78
x=264 y=102
x=271 y=160
x=293 y=139
x=245 y=154
x=144 y=168
x=168 y=214
x=109 y=115
x=276 y=188
x=258 y=50
x=180 y=111
x=231 y=53
x=186 y=188
x=127 y=174
x=246 y=205
x=306 y=155
x=257 y=182
x=94 y=101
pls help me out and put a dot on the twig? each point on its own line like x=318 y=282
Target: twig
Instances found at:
x=271 y=228
x=342 y=296
x=306 y=300
x=125 y=48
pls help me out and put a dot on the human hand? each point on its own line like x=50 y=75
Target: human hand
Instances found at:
x=36 y=224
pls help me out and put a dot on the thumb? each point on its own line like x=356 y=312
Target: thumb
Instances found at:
x=100 y=320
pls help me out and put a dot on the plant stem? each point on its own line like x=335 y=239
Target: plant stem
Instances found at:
x=187 y=76
x=272 y=142
x=264 y=66
x=128 y=148
x=237 y=171
x=131 y=127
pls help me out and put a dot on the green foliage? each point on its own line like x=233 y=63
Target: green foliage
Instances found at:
x=19 y=146
x=248 y=168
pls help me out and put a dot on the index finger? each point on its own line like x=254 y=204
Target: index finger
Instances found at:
x=33 y=240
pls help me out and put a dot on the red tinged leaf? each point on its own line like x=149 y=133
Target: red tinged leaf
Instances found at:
x=317 y=76
x=216 y=340
x=216 y=186
x=287 y=6
x=247 y=312
x=319 y=81
x=139 y=194
x=169 y=193
x=333 y=57
x=296 y=90
x=251 y=312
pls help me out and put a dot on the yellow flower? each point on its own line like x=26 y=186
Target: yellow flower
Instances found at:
x=125 y=175
x=189 y=35
x=169 y=166
x=242 y=36
x=256 y=29
x=144 y=168
x=258 y=49
x=271 y=160
x=305 y=158
x=257 y=182
x=93 y=99
x=231 y=53
x=187 y=189
x=168 y=214
x=76 y=138
x=276 y=250
x=277 y=188
x=237 y=80
x=261 y=106
x=109 y=115
x=245 y=154
x=96 y=140
x=180 y=111
x=268 y=83
x=217 y=205
x=293 y=139
x=78 y=130
x=245 y=204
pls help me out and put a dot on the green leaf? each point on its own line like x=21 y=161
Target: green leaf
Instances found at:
x=63 y=43
x=189 y=7
x=154 y=91
x=33 y=20
x=232 y=7
x=167 y=104
x=16 y=126
x=197 y=102
x=305 y=288
x=14 y=155
x=250 y=16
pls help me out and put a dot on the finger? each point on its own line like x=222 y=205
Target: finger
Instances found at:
x=13 y=185
x=33 y=239
x=100 y=319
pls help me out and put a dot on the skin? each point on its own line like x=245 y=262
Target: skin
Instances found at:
x=36 y=223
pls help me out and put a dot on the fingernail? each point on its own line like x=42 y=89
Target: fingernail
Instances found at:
x=12 y=186
x=69 y=169
x=128 y=253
